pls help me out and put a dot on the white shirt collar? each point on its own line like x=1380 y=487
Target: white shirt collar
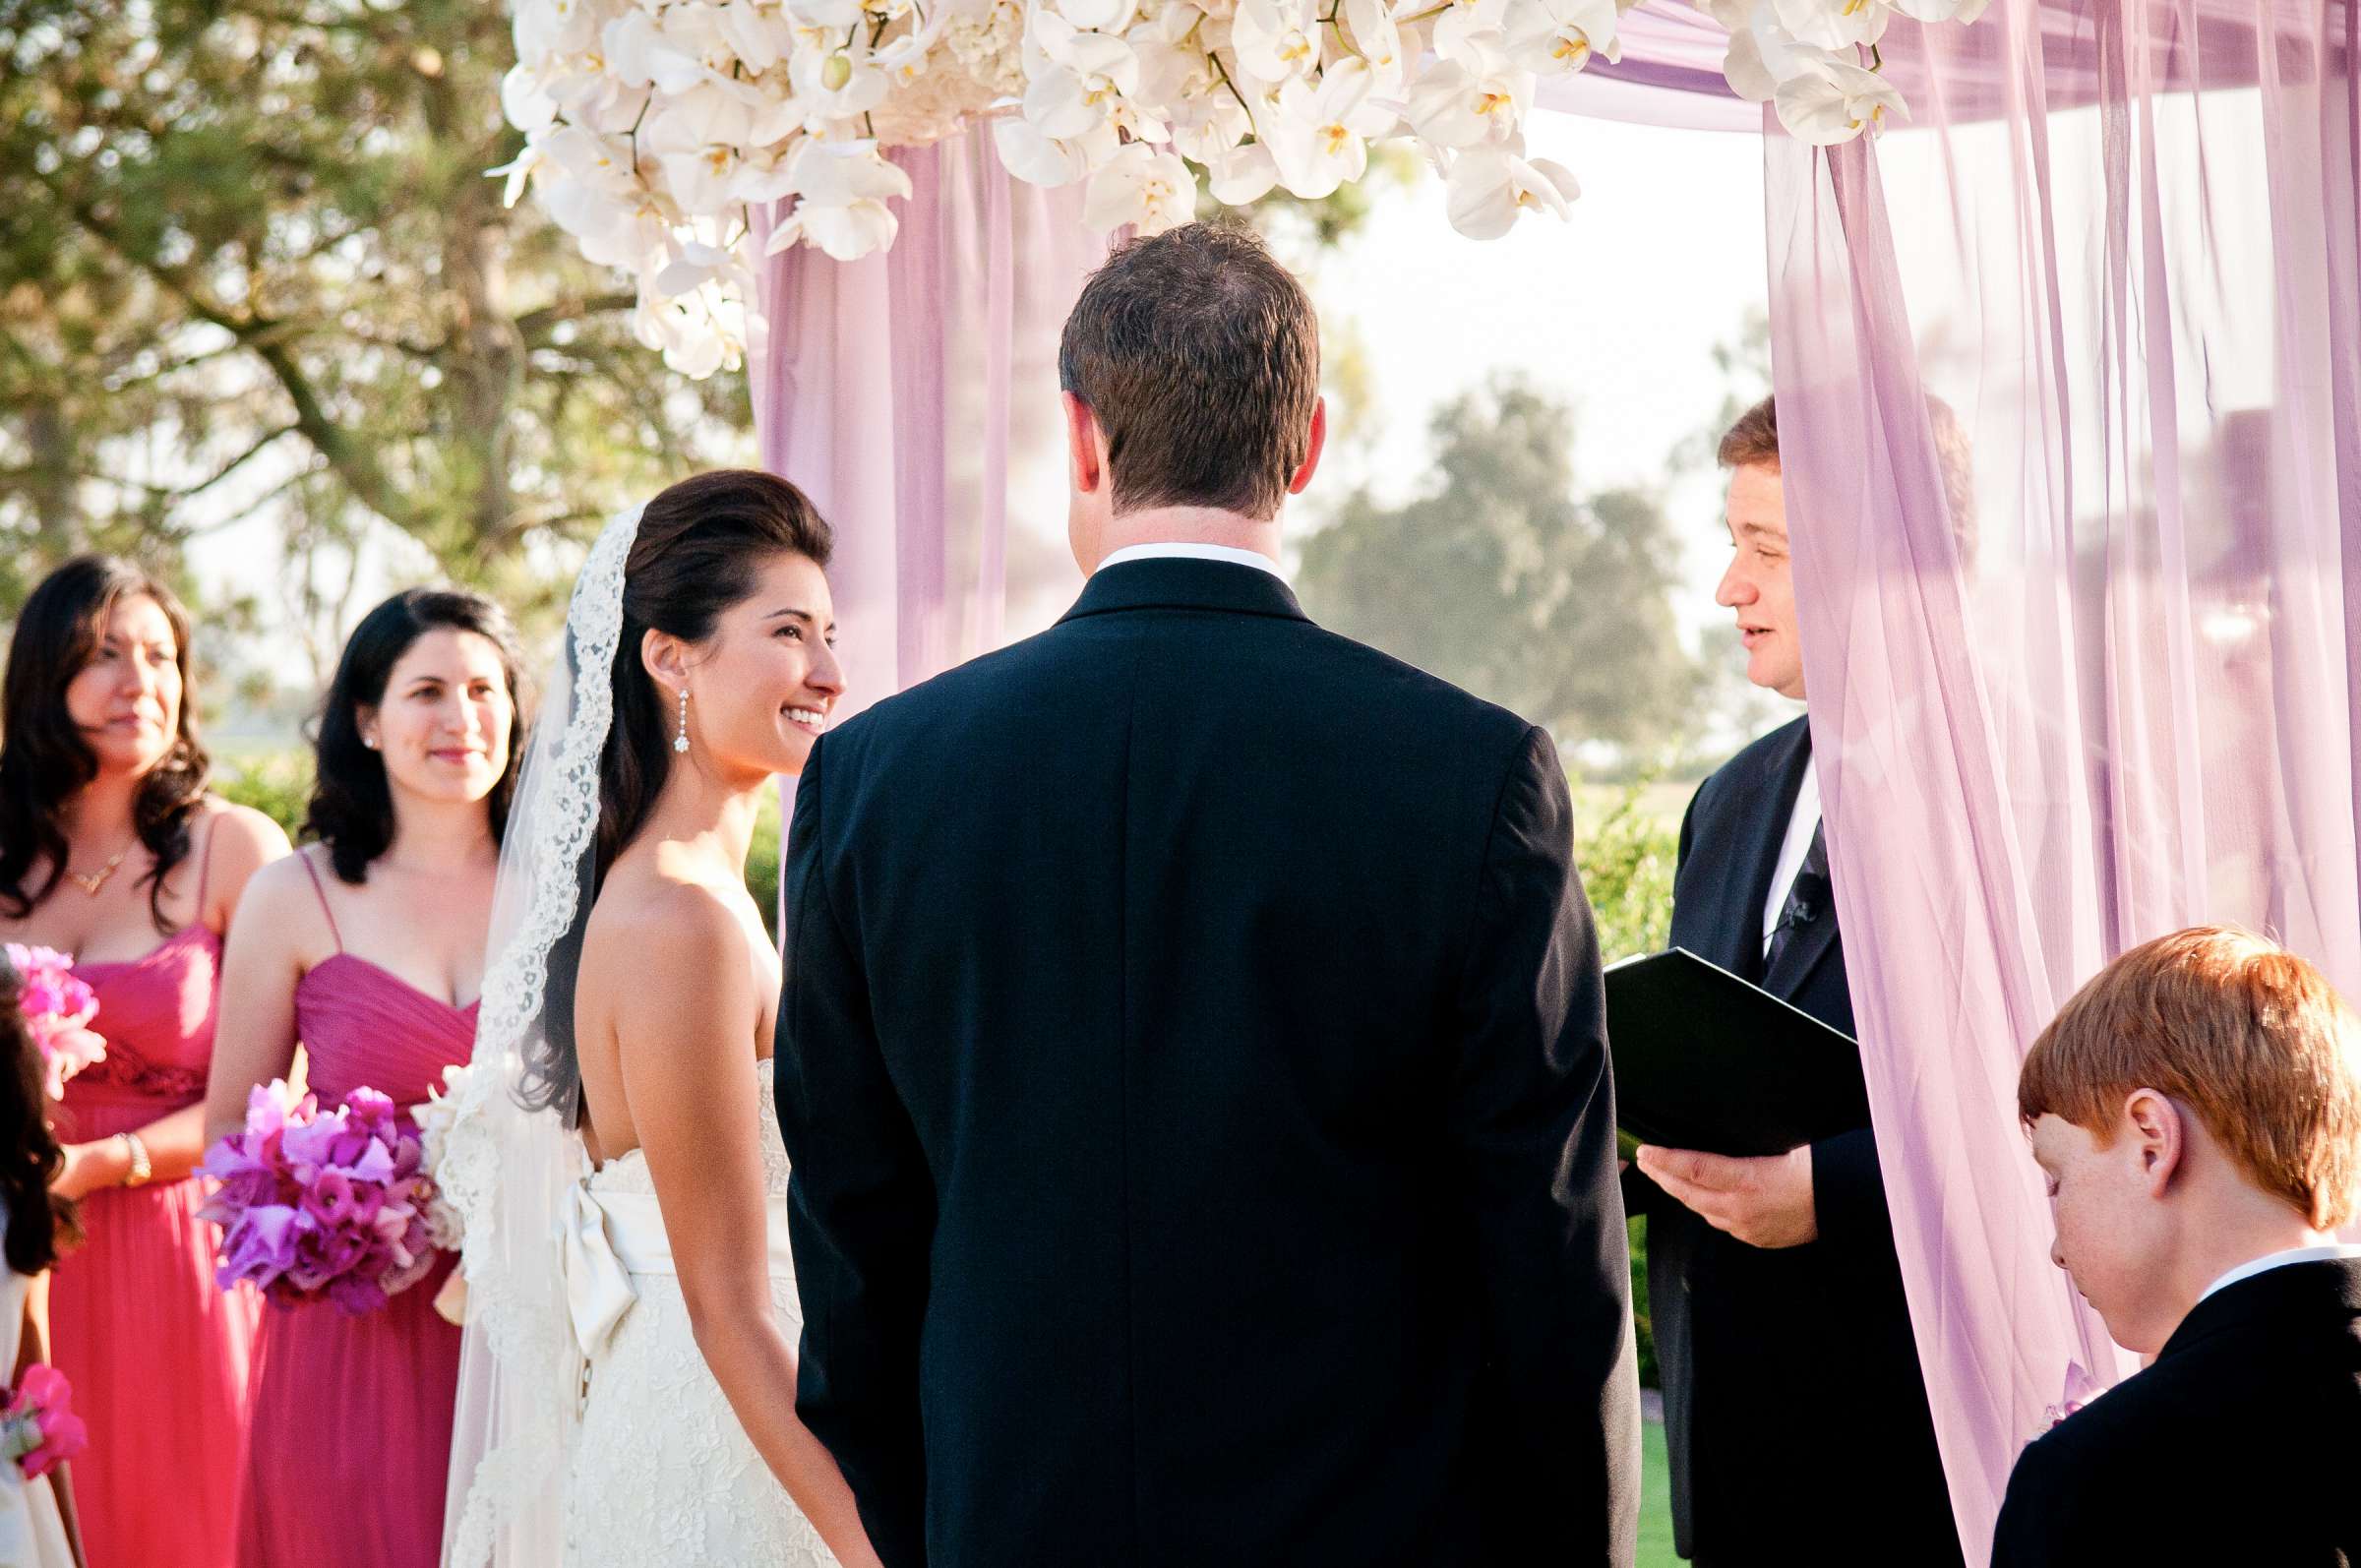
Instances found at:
x=1178 y=551
x=2279 y=1260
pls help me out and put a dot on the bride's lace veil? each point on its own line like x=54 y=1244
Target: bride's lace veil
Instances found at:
x=505 y=1167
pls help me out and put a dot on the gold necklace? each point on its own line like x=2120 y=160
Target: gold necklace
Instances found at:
x=90 y=881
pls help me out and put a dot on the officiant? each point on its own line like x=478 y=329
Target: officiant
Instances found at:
x=1795 y=1409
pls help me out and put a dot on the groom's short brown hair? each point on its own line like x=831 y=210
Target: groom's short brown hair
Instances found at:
x=2238 y=1030
x=1200 y=355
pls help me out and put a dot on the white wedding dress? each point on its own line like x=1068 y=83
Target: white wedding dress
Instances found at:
x=662 y=1471
x=33 y=1532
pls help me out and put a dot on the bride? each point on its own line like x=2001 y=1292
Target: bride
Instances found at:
x=628 y=1389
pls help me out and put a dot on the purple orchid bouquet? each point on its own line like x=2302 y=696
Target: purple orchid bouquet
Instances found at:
x=58 y=1007
x=322 y=1205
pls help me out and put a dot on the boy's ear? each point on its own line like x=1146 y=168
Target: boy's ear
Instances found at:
x=2157 y=1131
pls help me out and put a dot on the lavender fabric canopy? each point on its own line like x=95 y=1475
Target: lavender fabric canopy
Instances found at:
x=2069 y=389
x=2070 y=376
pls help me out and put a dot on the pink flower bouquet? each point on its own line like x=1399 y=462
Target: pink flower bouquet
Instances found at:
x=322 y=1205
x=38 y=1428
x=58 y=1005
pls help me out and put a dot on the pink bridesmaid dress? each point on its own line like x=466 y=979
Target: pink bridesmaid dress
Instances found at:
x=349 y=1450
x=156 y=1352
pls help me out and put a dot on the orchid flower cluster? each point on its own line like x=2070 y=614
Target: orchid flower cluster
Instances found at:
x=39 y=1429
x=1816 y=62
x=322 y=1205
x=58 y=1007
x=662 y=134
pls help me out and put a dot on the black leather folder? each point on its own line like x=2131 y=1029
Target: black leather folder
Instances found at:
x=1705 y=1060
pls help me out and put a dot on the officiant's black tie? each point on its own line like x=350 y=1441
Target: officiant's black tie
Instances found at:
x=1808 y=898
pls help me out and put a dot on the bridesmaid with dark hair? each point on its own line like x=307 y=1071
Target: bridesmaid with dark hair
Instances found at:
x=111 y=850
x=368 y=947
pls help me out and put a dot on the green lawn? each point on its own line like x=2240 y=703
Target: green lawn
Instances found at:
x=1656 y=1500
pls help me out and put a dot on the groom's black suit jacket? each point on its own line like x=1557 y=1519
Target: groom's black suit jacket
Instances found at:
x=2241 y=1445
x=1193 y=1061
x=1795 y=1410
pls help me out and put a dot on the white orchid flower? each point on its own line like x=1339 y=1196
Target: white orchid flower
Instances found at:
x=1454 y=106
x=1490 y=186
x=1833 y=101
x=1150 y=190
x=1555 y=36
x=759 y=38
x=1209 y=125
x=1832 y=24
x=591 y=96
x=1241 y=175
x=841 y=189
x=1170 y=71
x=1379 y=41
x=1275 y=39
x=1099 y=16
x=524 y=100
x=1092 y=71
x=641 y=52
x=1039 y=160
x=1320 y=136
x=699 y=332
x=1962 y=12
x=602 y=163
x=545 y=28
x=842 y=83
x=1470 y=29
x=1762 y=55
x=610 y=215
x=834 y=15
x=520 y=171
x=694 y=265
x=1033 y=157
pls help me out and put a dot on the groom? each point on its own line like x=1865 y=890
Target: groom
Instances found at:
x=1191 y=1052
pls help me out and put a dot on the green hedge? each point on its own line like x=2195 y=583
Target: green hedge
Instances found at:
x=1626 y=860
x=1626 y=857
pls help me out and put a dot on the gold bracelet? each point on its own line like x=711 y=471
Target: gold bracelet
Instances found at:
x=141 y=1170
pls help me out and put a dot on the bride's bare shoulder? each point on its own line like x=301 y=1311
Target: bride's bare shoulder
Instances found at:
x=649 y=920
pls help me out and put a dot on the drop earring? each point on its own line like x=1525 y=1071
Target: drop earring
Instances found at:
x=680 y=742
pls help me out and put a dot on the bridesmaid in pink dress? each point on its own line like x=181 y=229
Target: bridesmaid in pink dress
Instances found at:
x=368 y=947
x=110 y=849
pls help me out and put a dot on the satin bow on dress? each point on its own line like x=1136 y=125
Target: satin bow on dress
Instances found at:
x=605 y=1239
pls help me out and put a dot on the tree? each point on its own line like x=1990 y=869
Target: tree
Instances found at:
x=251 y=263
x=1503 y=580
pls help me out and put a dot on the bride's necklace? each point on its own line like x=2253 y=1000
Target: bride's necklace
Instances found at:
x=90 y=881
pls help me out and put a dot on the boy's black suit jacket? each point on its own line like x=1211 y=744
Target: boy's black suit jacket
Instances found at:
x=1193 y=1057
x=1793 y=1405
x=2240 y=1445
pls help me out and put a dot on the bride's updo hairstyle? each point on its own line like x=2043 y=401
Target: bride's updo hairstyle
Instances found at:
x=699 y=549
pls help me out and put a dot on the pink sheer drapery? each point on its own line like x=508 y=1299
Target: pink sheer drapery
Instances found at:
x=913 y=396
x=2069 y=372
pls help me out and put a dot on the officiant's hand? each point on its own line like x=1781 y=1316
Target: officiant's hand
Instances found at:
x=1764 y=1203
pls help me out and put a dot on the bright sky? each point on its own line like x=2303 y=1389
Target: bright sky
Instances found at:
x=1617 y=310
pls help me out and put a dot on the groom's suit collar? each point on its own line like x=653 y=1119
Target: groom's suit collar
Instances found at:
x=1170 y=583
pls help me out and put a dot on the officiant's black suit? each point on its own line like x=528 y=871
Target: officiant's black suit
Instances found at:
x=2241 y=1445
x=1794 y=1411
x=1193 y=1061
